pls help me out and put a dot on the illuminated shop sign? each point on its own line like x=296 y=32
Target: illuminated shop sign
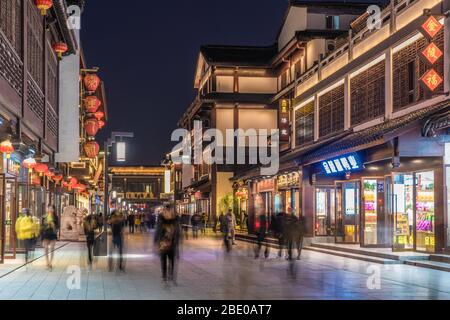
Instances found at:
x=342 y=164
x=284 y=120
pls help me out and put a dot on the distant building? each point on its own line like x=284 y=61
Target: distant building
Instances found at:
x=139 y=188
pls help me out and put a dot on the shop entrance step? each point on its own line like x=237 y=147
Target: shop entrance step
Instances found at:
x=350 y=255
x=440 y=258
x=441 y=266
x=383 y=253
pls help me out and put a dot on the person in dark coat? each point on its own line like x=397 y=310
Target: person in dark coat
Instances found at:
x=167 y=240
x=89 y=227
x=130 y=222
x=290 y=228
x=262 y=232
x=117 y=222
x=301 y=230
x=196 y=220
x=277 y=227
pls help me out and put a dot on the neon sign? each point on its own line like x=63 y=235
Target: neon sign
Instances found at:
x=342 y=164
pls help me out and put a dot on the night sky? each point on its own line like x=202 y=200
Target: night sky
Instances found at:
x=147 y=52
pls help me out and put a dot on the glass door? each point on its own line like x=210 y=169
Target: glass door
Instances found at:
x=375 y=219
x=10 y=217
x=348 y=212
x=325 y=212
x=425 y=220
x=403 y=212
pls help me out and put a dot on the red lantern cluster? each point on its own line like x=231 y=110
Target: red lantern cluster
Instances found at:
x=60 y=48
x=80 y=187
x=43 y=5
x=91 y=104
x=91 y=149
x=91 y=82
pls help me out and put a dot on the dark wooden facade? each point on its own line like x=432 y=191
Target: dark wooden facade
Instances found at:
x=29 y=81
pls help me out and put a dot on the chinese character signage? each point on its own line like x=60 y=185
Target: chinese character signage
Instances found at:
x=342 y=164
x=284 y=120
x=288 y=180
x=431 y=79
x=431 y=27
x=431 y=54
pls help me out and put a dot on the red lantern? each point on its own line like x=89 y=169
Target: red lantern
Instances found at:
x=36 y=181
x=91 y=104
x=57 y=178
x=91 y=126
x=101 y=124
x=49 y=174
x=80 y=187
x=91 y=82
x=41 y=168
x=43 y=5
x=29 y=163
x=99 y=115
x=91 y=149
x=73 y=182
x=7 y=148
x=60 y=48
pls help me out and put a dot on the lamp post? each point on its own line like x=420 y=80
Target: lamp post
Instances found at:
x=108 y=144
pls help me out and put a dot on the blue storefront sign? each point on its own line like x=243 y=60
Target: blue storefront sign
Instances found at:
x=343 y=164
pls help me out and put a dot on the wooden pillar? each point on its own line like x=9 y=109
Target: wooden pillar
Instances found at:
x=347 y=103
x=388 y=90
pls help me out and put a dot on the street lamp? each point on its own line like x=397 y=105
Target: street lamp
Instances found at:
x=108 y=144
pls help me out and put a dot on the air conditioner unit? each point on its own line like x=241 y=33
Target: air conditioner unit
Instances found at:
x=330 y=45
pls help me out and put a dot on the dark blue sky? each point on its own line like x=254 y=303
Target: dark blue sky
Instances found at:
x=147 y=51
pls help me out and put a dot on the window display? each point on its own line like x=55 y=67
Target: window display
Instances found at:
x=370 y=212
x=403 y=211
x=425 y=211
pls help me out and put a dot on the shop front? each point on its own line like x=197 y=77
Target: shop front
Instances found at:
x=265 y=201
x=288 y=195
x=376 y=204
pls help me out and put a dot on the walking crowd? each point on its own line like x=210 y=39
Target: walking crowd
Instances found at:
x=170 y=229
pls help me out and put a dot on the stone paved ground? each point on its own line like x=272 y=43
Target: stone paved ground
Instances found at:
x=206 y=272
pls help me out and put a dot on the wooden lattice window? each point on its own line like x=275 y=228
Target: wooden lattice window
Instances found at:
x=407 y=70
x=367 y=94
x=11 y=23
x=35 y=57
x=304 y=124
x=331 y=111
x=52 y=78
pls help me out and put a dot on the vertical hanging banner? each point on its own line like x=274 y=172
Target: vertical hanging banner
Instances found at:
x=431 y=79
x=284 y=120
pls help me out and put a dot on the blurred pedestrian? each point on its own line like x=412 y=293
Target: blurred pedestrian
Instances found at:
x=262 y=232
x=226 y=225
x=89 y=227
x=117 y=223
x=100 y=221
x=290 y=229
x=167 y=239
x=301 y=229
x=195 y=222
x=232 y=226
x=131 y=223
x=277 y=227
x=203 y=223
x=137 y=222
x=49 y=234
x=27 y=231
